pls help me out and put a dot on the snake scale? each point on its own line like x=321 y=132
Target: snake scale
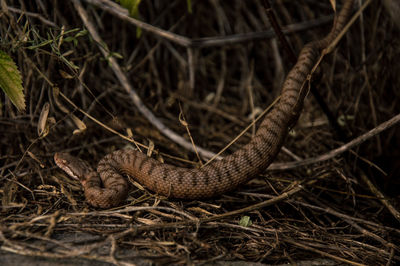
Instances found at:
x=108 y=188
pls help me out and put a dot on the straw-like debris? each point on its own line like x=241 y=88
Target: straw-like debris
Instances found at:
x=95 y=82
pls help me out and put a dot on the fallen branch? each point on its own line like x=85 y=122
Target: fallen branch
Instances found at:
x=131 y=91
x=333 y=153
x=123 y=14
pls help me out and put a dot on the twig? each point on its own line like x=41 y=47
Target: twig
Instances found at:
x=329 y=155
x=129 y=89
x=381 y=197
x=243 y=131
x=323 y=253
x=207 y=41
x=123 y=14
x=353 y=222
x=117 y=133
x=293 y=58
x=369 y=234
x=296 y=188
x=33 y=15
x=278 y=31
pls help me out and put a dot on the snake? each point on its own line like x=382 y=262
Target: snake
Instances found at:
x=107 y=187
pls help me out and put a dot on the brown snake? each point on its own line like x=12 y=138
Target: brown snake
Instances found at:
x=219 y=176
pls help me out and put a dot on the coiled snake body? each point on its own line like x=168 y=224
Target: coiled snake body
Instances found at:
x=219 y=176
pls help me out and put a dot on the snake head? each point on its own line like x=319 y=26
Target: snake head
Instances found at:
x=73 y=166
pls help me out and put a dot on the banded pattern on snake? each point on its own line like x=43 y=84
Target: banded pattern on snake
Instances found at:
x=107 y=187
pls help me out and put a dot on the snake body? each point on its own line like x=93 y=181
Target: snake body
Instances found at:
x=107 y=187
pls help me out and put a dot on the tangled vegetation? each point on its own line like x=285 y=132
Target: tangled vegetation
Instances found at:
x=209 y=68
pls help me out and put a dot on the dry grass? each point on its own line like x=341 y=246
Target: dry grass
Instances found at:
x=329 y=211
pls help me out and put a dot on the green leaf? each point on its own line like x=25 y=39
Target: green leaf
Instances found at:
x=245 y=221
x=11 y=81
x=44 y=43
x=81 y=33
x=69 y=39
x=133 y=8
x=189 y=6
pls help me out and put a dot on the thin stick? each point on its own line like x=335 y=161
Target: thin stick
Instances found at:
x=323 y=253
x=127 y=138
x=333 y=153
x=130 y=90
x=122 y=14
x=293 y=58
x=381 y=197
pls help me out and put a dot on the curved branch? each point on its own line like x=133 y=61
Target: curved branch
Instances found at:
x=131 y=91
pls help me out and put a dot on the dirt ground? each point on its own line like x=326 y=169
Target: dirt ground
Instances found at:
x=94 y=82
